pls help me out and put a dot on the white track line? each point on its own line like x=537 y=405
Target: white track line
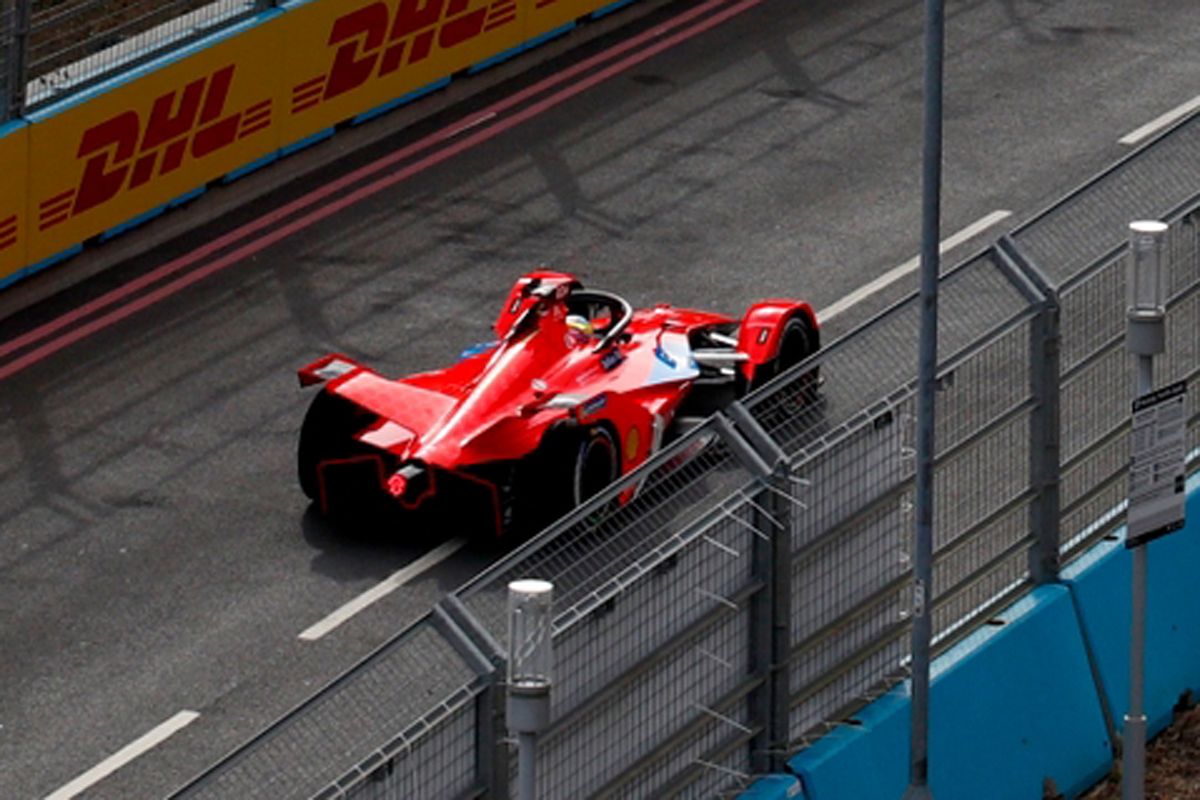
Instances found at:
x=1155 y=125
x=381 y=590
x=123 y=756
x=910 y=266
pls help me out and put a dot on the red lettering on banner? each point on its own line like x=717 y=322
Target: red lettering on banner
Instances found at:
x=380 y=38
x=8 y=231
x=112 y=141
x=123 y=153
x=221 y=132
x=462 y=28
x=350 y=70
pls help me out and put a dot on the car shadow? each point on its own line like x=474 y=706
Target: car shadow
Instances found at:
x=350 y=549
x=375 y=547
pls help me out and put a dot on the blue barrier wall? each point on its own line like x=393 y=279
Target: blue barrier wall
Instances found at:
x=1018 y=702
x=1101 y=583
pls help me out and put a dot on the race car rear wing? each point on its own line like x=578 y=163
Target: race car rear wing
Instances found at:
x=326 y=369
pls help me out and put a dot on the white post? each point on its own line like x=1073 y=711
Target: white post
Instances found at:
x=1145 y=338
x=530 y=661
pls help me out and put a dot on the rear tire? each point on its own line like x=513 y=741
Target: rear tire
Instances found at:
x=570 y=466
x=327 y=432
x=595 y=464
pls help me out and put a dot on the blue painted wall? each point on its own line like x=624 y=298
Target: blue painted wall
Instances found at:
x=1018 y=703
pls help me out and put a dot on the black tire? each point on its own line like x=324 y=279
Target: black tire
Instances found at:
x=595 y=464
x=327 y=432
x=569 y=467
x=795 y=345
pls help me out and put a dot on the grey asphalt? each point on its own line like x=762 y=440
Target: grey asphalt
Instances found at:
x=157 y=554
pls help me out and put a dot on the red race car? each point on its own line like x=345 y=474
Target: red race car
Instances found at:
x=577 y=389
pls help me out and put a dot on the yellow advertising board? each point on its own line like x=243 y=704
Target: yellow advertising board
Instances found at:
x=125 y=152
x=14 y=163
x=346 y=58
x=122 y=153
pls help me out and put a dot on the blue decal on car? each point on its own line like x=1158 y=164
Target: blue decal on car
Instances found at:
x=476 y=349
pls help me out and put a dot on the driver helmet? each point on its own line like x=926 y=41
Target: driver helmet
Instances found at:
x=577 y=322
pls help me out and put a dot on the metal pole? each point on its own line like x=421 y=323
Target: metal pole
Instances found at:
x=922 y=632
x=1134 y=755
x=1144 y=338
x=527 y=766
x=1134 y=765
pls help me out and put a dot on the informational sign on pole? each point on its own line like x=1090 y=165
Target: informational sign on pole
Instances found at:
x=1157 y=474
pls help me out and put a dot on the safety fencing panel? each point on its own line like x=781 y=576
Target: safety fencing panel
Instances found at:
x=653 y=674
x=1079 y=244
x=402 y=724
x=12 y=50
x=852 y=457
x=77 y=44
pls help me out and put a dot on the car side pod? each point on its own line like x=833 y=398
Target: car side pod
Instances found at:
x=326 y=368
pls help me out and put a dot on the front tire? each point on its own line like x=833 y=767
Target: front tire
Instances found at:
x=796 y=344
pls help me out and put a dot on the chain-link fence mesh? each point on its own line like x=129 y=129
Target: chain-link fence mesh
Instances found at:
x=74 y=44
x=668 y=584
x=13 y=21
x=405 y=718
x=592 y=553
x=651 y=627
x=1080 y=244
x=854 y=468
x=1093 y=222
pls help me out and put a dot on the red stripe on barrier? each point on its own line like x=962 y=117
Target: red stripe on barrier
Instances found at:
x=496 y=22
x=58 y=199
x=444 y=135
x=50 y=222
x=254 y=128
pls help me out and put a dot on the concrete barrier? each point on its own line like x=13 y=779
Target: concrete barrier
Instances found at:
x=1002 y=722
x=1101 y=583
x=1019 y=702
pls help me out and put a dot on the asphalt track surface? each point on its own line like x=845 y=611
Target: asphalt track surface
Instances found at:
x=156 y=555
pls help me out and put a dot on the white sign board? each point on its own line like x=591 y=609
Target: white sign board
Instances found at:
x=1156 y=466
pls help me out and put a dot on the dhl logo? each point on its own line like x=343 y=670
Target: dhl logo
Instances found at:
x=378 y=39
x=125 y=152
x=8 y=232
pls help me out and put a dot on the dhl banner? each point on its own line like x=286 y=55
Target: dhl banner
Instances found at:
x=143 y=144
x=14 y=172
x=125 y=152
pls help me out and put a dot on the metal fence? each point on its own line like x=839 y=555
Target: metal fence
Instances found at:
x=53 y=49
x=756 y=592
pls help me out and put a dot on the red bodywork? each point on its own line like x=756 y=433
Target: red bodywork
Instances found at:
x=497 y=404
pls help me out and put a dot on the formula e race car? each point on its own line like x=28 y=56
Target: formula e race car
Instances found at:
x=577 y=389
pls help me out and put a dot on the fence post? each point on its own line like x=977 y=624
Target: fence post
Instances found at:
x=18 y=52
x=476 y=643
x=770 y=612
x=1044 y=424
